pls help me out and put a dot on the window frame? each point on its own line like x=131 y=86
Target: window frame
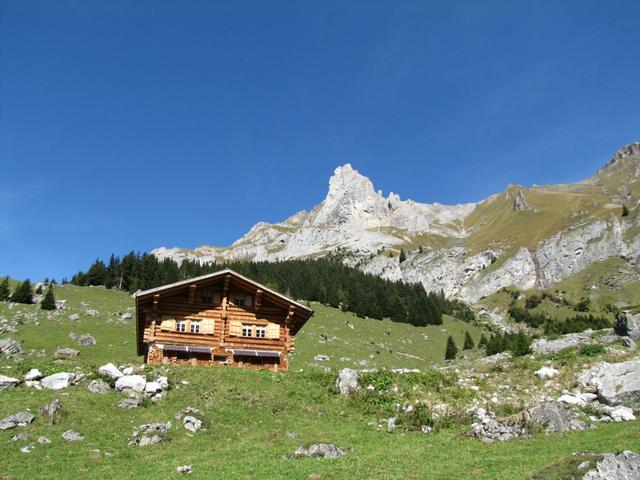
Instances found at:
x=261 y=331
x=194 y=324
x=249 y=329
x=181 y=326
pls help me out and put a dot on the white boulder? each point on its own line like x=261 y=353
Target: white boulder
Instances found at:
x=8 y=382
x=33 y=374
x=547 y=372
x=347 y=381
x=131 y=382
x=111 y=371
x=57 y=381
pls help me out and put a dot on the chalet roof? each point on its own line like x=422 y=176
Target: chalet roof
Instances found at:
x=221 y=274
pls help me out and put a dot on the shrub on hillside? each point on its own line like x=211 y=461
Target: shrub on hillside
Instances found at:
x=5 y=293
x=533 y=301
x=452 y=349
x=621 y=324
x=517 y=343
x=584 y=305
x=23 y=293
x=521 y=315
x=468 y=342
x=576 y=324
x=49 y=301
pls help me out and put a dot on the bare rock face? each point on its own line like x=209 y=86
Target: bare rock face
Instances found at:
x=615 y=383
x=616 y=466
x=367 y=226
x=555 y=417
x=347 y=381
x=520 y=203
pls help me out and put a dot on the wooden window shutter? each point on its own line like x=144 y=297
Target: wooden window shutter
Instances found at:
x=207 y=326
x=168 y=325
x=273 y=330
x=235 y=328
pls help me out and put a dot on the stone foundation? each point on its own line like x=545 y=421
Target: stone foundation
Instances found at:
x=156 y=356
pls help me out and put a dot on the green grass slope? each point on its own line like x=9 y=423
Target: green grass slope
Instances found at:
x=255 y=420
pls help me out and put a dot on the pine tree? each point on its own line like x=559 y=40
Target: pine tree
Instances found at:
x=483 y=341
x=452 y=350
x=468 y=342
x=23 y=293
x=49 y=301
x=5 y=293
x=403 y=255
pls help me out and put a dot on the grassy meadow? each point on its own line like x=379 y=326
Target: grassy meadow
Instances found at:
x=255 y=420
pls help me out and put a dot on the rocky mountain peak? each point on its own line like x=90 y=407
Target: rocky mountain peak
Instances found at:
x=351 y=195
x=628 y=151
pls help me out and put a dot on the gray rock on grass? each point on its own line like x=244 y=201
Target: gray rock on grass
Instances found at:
x=111 y=371
x=616 y=466
x=8 y=382
x=58 y=381
x=129 y=403
x=66 y=353
x=50 y=411
x=135 y=383
x=9 y=347
x=16 y=420
x=33 y=374
x=98 y=386
x=191 y=423
x=347 y=381
x=555 y=417
x=615 y=383
x=320 y=450
x=72 y=436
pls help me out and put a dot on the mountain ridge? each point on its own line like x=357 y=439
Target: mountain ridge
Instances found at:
x=527 y=237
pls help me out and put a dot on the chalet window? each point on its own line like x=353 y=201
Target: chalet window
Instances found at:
x=247 y=330
x=181 y=326
x=261 y=332
x=195 y=326
x=242 y=300
x=207 y=298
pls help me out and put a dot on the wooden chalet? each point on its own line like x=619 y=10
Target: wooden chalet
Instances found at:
x=222 y=318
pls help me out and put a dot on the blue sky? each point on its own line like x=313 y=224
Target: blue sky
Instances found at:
x=130 y=125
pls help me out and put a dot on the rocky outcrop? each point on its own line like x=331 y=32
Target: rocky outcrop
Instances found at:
x=615 y=383
x=616 y=466
x=555 y=417
x=520 y=203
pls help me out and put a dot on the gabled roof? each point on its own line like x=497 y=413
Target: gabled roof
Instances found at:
x=300 y=310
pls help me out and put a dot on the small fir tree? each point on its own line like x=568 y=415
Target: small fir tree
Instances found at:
x=403 y=255
x=468 y=342
x=452 y=350
x=49 y=301
x=483 y=341
x=625 y=211
x=39 y=289
x=5 y=293
x=23 y=293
